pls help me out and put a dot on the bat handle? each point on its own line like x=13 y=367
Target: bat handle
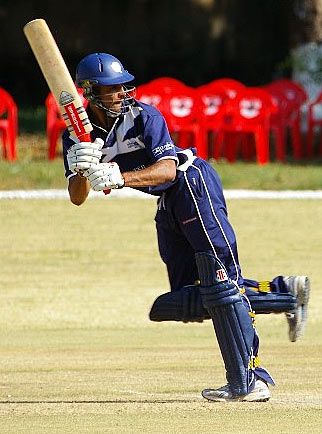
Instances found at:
x=87 y=138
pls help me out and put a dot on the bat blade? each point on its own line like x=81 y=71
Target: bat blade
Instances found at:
x=58 y=78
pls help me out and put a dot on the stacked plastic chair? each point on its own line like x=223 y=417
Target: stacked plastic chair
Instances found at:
x=8 y=125
x=181 y=109
x=214 y=96
x=290 y=96
x=246 y=116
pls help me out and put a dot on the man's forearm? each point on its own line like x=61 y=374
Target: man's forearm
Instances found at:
x=78 y=188
x=159 y=173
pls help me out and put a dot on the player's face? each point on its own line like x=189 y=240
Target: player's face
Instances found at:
x=111 y=96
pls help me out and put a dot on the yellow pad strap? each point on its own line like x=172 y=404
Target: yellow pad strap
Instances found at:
x=254 y=362
x=264 y=286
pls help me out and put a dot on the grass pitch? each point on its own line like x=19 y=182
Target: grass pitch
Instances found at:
x=79 y=355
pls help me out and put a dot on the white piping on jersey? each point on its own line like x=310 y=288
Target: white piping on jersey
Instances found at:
x=105 y=131
x=216 y=218
x=168 y=157
x=121 y=146
x=190 y=159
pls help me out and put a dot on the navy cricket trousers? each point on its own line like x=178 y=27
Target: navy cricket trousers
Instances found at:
x=192 y=217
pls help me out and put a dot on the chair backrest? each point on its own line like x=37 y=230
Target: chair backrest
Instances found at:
x=177 y=102
x=168 y=85
x=212 y=99
x=291 y=90
x=156 y=90
x=229 y=85
x=181 y=107
x=8 y=106
x=253 y=106
x=148 y=95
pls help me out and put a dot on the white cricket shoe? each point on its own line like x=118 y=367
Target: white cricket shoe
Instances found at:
x=299 y=286
x=260 y=393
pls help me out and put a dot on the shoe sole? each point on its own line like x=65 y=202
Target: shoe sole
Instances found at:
x=255 y=397
x=297 y=320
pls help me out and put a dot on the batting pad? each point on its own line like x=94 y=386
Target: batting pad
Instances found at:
x=232 y=323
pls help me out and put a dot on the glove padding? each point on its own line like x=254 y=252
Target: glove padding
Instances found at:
x=84 y=155
x=104 y=176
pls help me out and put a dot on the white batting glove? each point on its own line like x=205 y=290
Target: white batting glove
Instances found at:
x=84 y=155
x=105 y=176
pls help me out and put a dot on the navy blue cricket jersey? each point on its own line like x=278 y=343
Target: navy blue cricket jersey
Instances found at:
x=138 y=139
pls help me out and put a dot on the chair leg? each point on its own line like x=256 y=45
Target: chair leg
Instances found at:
x=218 y=144
x=296 y=139
x=231 y=145
x=320 y=144
x=52 y=143
x=247 y=147
x=262 y=146
x=12 y=153
x=5 y=144
x=309 y=141
x=280 y=144
x=201 y=143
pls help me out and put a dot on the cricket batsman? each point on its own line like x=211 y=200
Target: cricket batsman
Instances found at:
x=131 y=147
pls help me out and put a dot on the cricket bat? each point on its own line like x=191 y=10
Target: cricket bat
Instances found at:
x=58 y=78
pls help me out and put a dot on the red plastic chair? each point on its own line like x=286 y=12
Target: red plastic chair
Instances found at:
x=8 y=125
x=148 y=95
x=213 y=96
x=182 y=112
x=313 y=122
x=55 y=124
x=230 y=86
x=295 y=96
x=247 y=114
x=279 y=121
x=180 y=107
x=168 y=85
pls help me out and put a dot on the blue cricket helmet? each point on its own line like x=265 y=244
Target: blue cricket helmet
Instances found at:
x=101 y=69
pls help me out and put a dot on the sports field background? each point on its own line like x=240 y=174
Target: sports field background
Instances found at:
x=79 y=355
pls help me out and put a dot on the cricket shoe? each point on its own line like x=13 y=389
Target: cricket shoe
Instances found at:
x=260 y=393
x=299 y=286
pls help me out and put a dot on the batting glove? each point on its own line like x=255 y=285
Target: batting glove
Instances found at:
x=83 y=155
x=105 y=176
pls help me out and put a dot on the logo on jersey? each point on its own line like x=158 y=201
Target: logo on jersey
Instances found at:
x=221 y=275
x=163 y=148
x=134 y=145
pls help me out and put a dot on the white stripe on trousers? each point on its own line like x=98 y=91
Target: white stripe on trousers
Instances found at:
x=216 y=218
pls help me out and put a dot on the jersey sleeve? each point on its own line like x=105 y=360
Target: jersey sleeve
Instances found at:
x=157 y=139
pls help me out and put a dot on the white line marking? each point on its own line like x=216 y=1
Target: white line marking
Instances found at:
x=131 y=193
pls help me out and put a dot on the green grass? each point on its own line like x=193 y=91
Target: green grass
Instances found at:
x=79 y=355
x=32 y=170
